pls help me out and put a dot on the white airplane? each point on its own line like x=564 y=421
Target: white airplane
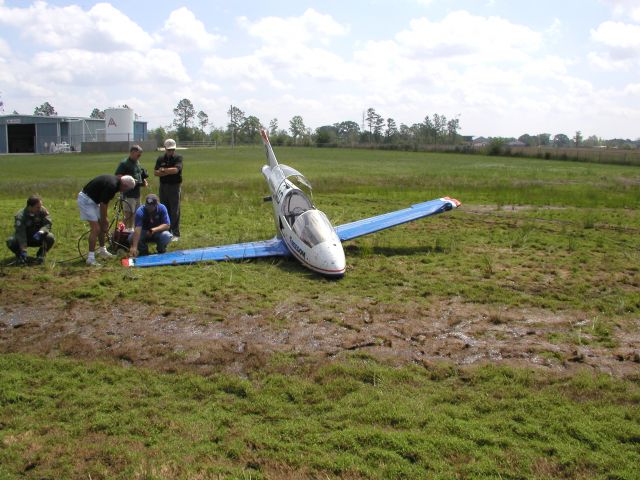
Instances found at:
x=303 y=231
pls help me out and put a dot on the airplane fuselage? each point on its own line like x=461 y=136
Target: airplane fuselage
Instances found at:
x=306 y=231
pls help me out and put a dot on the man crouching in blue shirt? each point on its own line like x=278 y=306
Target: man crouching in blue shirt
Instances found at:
x=151 y=226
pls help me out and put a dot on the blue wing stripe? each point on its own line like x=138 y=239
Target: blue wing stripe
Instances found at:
x=391 y=219
x=239 y=251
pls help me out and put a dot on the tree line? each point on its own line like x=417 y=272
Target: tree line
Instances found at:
x=242 y=128
x=563 y=141
x=374 y=130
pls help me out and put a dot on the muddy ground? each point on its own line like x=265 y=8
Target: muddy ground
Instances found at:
x=452 y=331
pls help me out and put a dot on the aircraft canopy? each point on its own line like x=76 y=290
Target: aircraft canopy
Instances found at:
x=292 y=172
x=313 y=227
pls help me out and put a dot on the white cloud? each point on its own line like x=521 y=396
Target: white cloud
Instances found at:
x=291 y=105
x=21 y=84
x=554 y=31
x=632 y=89
x=285 y=54
x=5 y=50
x=604 y=61
x=283 y=32
x=549 y=66
x=620 y=36
x=463 y=37
x=484 y=60
x=247 y=69
x=301 y=61
x=183 y=31
x=625 y=8
x=208 y=87
x=117 y=29
x=101 y=28
x=83 y=67
x=619 y=46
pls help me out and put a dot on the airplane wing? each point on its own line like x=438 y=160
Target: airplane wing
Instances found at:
x=239 y=251
x=391 y=219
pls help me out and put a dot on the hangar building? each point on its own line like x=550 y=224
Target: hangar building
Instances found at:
x=37 y=134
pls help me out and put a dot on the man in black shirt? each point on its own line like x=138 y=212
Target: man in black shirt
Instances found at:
x=169 y=169
x=93 y=202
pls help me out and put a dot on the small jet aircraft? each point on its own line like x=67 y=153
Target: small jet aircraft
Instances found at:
x=303 y=231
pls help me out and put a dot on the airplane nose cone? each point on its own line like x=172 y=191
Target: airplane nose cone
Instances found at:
x=329 y=258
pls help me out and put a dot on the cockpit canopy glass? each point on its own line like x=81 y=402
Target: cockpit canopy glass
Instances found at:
x=313 y=227
x=294 y=204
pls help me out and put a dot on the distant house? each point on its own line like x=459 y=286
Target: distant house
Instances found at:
x=480 y=142
x=516 y=143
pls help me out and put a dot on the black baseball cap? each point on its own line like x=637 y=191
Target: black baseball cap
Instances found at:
x=151 y=200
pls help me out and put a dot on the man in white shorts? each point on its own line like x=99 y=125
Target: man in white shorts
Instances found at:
x=93 y=202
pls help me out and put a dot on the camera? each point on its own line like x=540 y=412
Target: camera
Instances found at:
x=143 y=175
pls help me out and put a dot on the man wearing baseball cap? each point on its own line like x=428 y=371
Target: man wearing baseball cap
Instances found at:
x=169 y=169
x=151 y=226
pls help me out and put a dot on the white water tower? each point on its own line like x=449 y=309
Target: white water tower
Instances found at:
x=118 y=124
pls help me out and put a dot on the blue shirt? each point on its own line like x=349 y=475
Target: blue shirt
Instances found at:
x=148 y=220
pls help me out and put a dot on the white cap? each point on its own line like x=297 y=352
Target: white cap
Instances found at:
x=169 y=144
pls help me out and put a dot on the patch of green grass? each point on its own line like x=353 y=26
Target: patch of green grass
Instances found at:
x=67 y=419
x=552 y=355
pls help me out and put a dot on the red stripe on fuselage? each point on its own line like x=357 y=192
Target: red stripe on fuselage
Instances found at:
x=304 y=262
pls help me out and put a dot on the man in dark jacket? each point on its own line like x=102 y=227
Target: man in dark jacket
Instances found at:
x=32 y=229
x=93 y=202
x=131 y=166
x=169 y=169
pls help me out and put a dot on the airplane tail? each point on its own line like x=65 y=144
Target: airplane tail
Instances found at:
x=271 y=157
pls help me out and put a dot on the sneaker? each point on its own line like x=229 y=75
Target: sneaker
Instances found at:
x=104 y=253
x=175 y=238
x=93 y=262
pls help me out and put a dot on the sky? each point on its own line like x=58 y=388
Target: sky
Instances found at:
x=502 y=67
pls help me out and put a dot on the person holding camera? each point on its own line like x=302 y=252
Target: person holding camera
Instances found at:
x=32 y=229
x=131 y=199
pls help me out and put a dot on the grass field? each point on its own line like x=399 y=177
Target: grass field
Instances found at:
x=499 y=340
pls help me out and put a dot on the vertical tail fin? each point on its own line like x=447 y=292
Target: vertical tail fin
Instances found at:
x=271 y=157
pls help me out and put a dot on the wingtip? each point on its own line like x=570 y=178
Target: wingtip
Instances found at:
x=455 y=203
x=127 y=262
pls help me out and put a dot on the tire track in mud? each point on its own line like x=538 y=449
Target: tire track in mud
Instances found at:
x=451 y=331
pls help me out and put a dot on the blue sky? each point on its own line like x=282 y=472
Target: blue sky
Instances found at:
x=505 y=68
